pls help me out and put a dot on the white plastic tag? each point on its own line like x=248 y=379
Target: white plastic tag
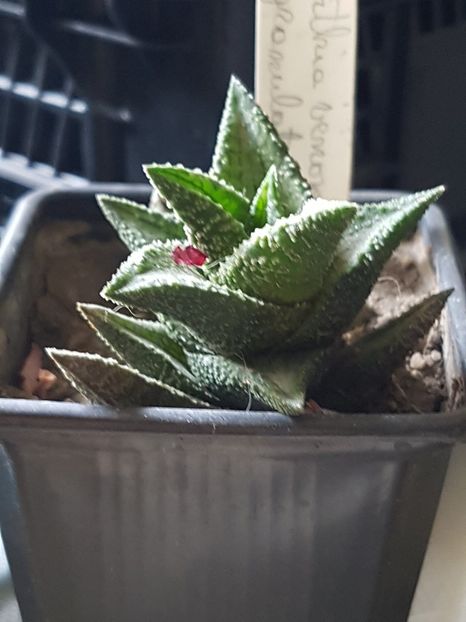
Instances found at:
x=305 y=76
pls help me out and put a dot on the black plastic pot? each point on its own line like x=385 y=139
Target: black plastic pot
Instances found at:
x=200 y=515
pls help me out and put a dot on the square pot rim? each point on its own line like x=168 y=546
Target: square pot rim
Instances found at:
x=22 y=414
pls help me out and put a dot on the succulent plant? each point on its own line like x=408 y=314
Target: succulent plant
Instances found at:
x=241 y=283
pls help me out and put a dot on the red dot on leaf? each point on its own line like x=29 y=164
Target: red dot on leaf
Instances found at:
x=188 y=256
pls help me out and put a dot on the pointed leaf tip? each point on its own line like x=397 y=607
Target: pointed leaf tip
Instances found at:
x=105 y=381
x=248 y=144
x=136 y=224
x=266 y=206
x=362 y=369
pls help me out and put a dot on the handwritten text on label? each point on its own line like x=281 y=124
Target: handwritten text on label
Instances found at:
x=305 y=62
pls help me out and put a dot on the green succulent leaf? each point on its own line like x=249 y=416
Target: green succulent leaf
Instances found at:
x=248 y=145
x=227 y=321
x=286 y=262
x=238 y=386
x=105 y=381
x=273 y=381
x=145 y=346
x=137 y=225
x=294 y=372
x=186 y=338
x=374 y=233
x=178 y=178
x=213 y=212
x=365 y=366
x=266 y=206
x=117 y=330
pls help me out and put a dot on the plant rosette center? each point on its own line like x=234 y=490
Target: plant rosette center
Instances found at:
x=247 y=284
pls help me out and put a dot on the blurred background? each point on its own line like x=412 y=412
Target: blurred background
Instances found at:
x=90 y=89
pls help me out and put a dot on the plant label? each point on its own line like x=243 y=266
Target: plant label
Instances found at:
x=305 y=82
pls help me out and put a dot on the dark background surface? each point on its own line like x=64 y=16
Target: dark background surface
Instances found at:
x=91 y=89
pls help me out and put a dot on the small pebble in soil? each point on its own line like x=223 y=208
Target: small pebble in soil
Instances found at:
x=428 y=360
x=417 y=361
x=435 y=356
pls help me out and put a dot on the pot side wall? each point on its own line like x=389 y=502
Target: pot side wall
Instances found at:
x=113 y=524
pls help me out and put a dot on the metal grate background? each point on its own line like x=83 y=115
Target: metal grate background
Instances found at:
x=49 y=133
x=41 y=119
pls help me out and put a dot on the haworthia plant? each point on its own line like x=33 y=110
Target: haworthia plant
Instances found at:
x=247 y=283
